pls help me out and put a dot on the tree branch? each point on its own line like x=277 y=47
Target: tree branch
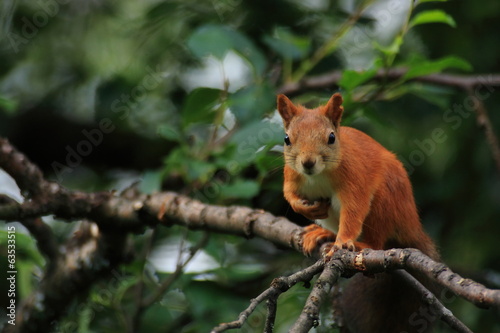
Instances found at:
x=278 y=286
x=272 y=308
x=310 y=314
x=468 y=83
x=484 y=122
x=165 y=285
x=94 y=252
x=45 y=239
x=332 y=79
x=432 y=300
x=28 y=176
x=89 y=256
x=376 y=261
x=368 y=261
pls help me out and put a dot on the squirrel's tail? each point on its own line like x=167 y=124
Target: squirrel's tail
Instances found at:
x=385 y=303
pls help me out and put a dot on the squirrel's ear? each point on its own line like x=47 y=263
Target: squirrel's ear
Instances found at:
x=334 y=109
x=286 y=109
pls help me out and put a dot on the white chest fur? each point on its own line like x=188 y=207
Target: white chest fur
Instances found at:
x=319 y=186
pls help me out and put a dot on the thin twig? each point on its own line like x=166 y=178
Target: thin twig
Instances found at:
x=468 y=83
x=332 y=79
x=272 y=307
x=42 y=232
x=165 y=285
x=45 y=239
x=309 y=316
x=484 y=122
x=439 y=309
x=330 y=45
x=27 y=175
x=88 y=257
x=139 y=288
x=278 y=286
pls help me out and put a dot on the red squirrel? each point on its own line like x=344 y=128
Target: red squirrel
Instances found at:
x=360 y=195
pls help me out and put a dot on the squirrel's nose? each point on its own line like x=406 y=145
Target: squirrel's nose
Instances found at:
x=308 y=164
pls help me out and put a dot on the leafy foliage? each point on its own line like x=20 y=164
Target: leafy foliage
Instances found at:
x=189 y=88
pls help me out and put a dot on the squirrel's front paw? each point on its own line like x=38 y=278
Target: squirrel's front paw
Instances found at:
x=339 y=244
x=314 y=236
x=315 y=210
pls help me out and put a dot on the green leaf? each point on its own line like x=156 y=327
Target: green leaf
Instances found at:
x=180 y=161
x=423 y=1
x=287 y=44
x=370 y=113
x=8 y=105
x=201 y=296
x=217 y=40
x=199 y=106
x=351 y=79
x=151 y=182
x=120 y=290
x=390 y=49
x=426 y=67
x=251 y=102
x=254 y=137
x=269 y=163
x=437 y=95
x=199 y=170
x=223 y=157
x=210 y=40
x=432 y=16
x=27 y=244
x=395 y=92
x=169 y=132
x=157 y=315
x=240 y=189
x=24 y=279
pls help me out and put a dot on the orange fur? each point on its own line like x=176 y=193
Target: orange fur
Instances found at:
x=360 y=193
x=354 y=182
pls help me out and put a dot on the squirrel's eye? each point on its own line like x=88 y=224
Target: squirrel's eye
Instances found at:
x=287 y=140
x=331 y=138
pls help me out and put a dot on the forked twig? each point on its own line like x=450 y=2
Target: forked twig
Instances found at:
x=428 y=297
x=278 y=286
x=310 y=313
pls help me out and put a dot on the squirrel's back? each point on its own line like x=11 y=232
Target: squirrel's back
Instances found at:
x=368 y=165
x=383 y=302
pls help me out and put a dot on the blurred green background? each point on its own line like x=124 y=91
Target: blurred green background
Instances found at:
x=180 y=95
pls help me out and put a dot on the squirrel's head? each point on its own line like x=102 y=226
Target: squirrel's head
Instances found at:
x=311 y=140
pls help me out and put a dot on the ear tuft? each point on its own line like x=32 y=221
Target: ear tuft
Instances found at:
x=334 y=109
x=286 y=109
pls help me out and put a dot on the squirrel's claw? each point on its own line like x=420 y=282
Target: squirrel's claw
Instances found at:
x=348 y=245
